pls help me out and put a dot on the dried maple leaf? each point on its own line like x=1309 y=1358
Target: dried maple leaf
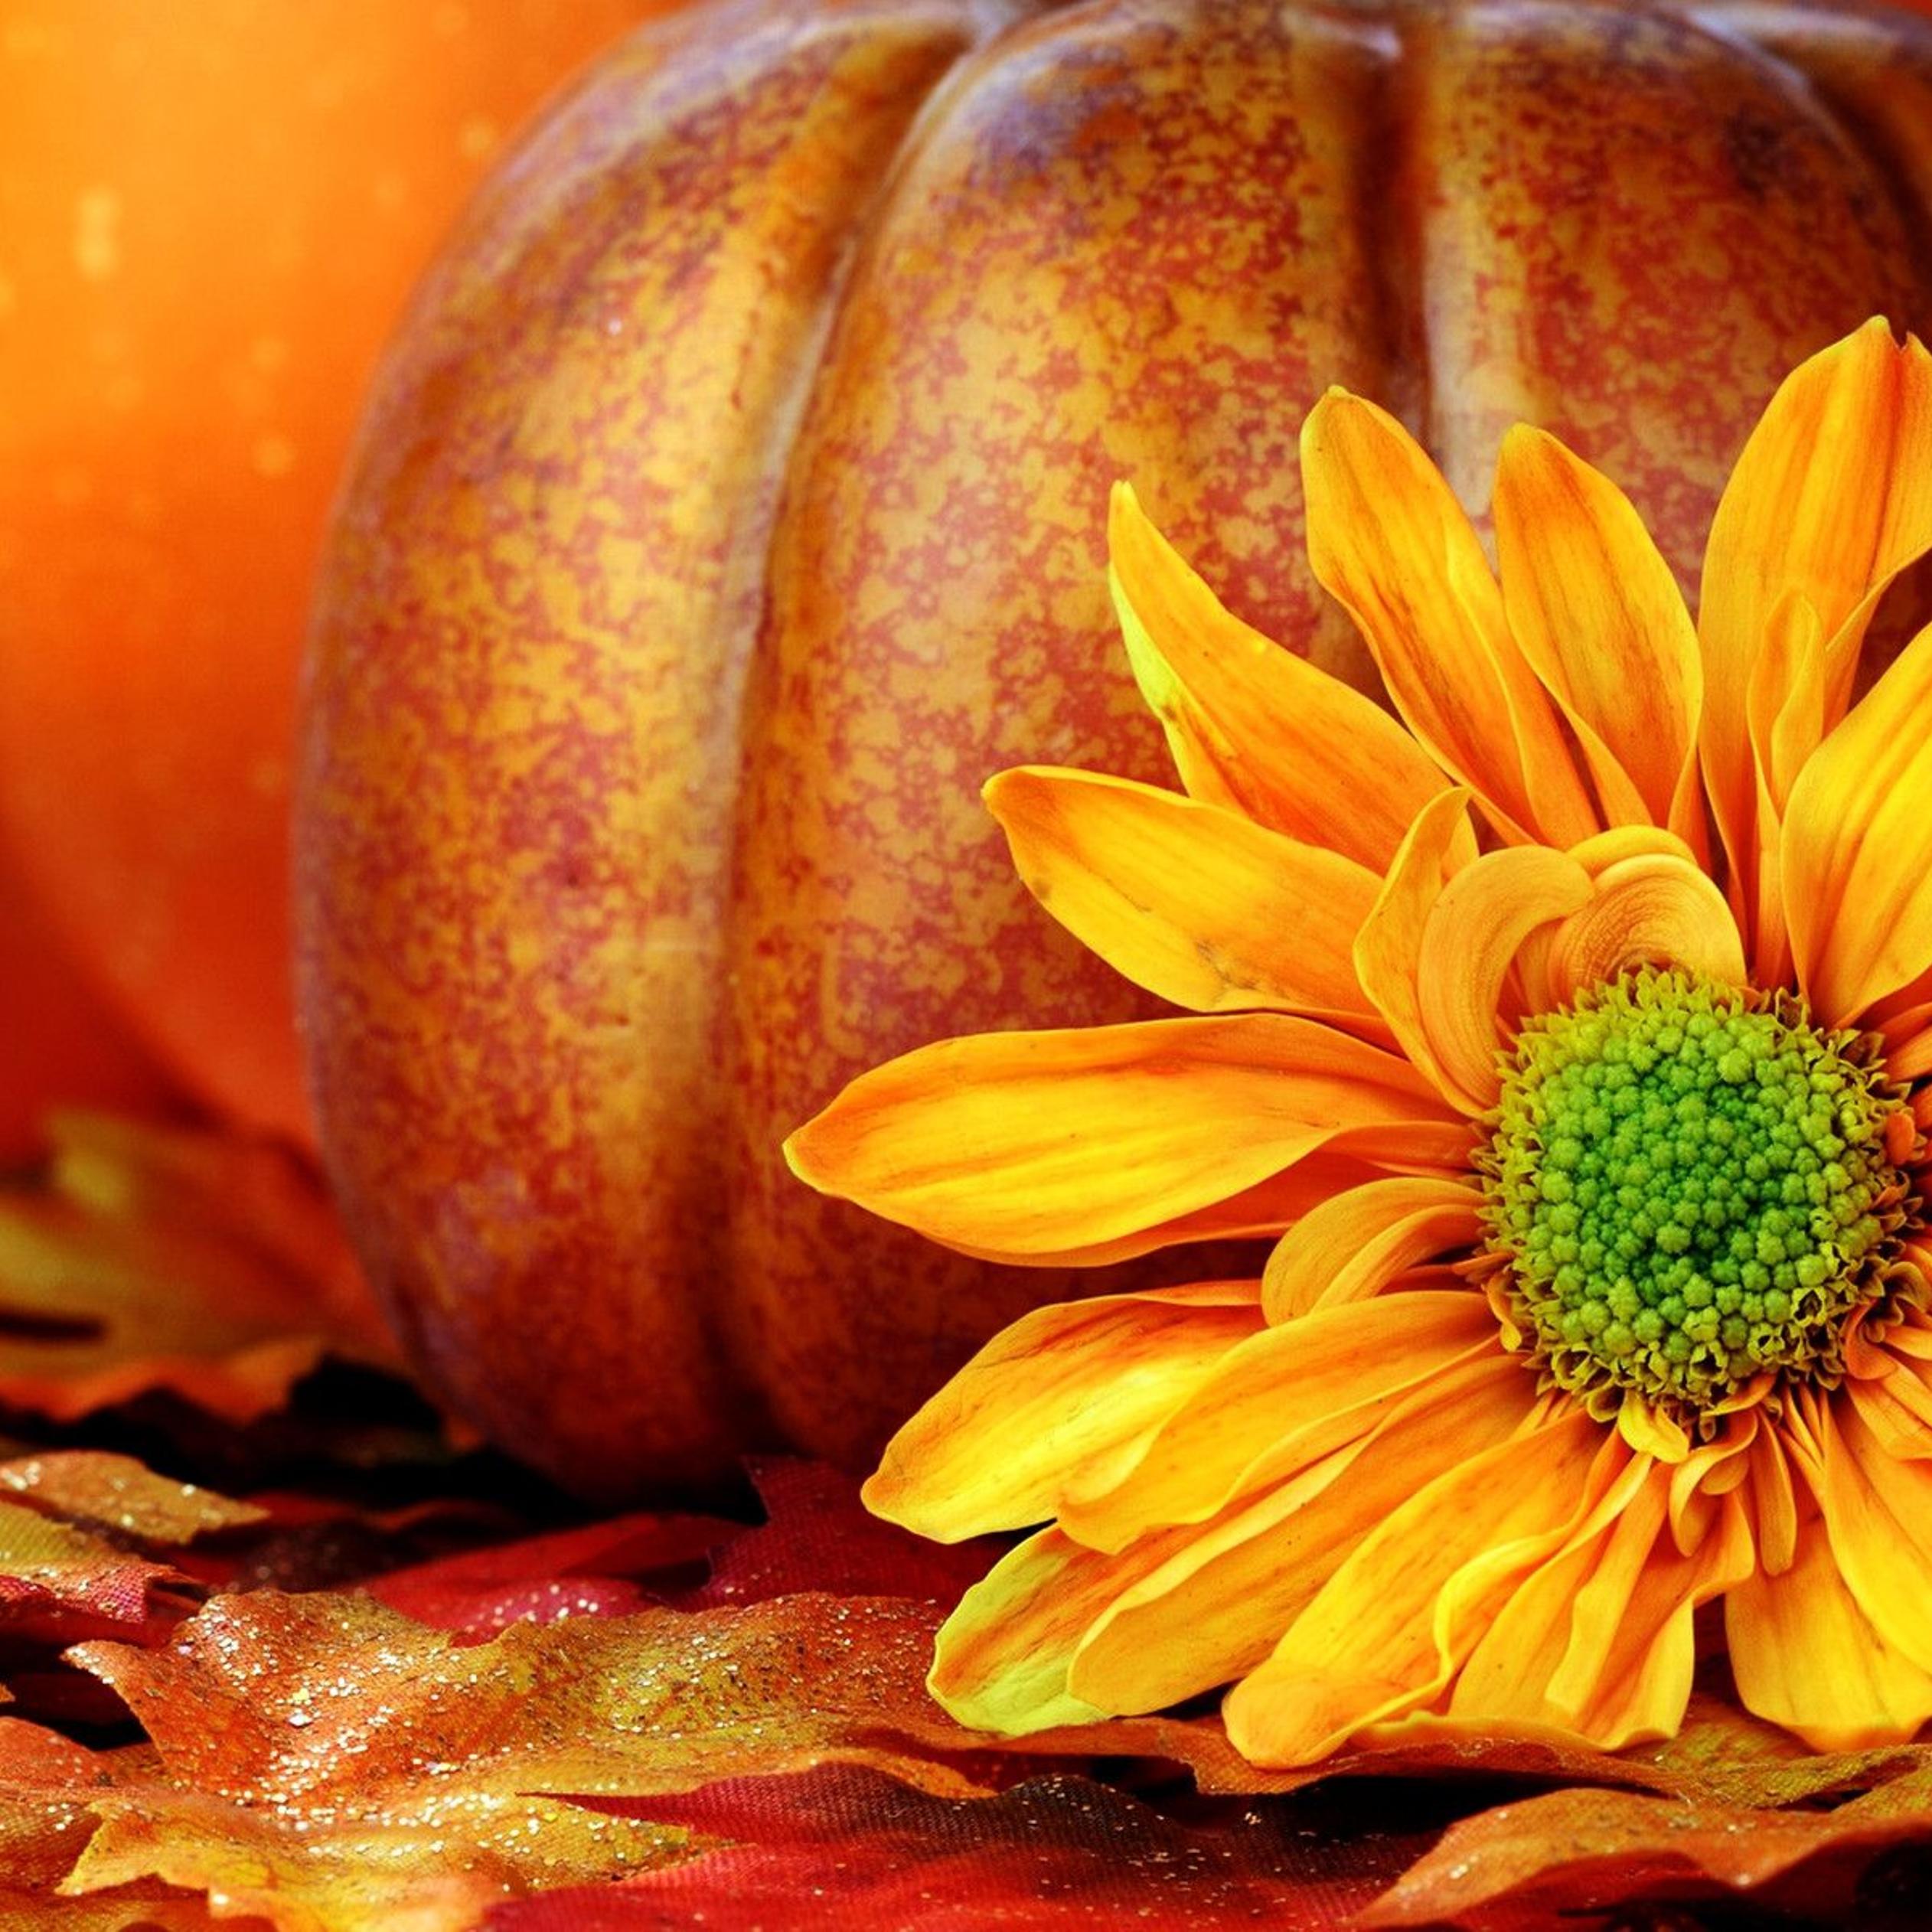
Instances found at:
x=45 y=1783
x=164 y=1259
x=334 y=1766
x=80 y=1535
x=1588 y=1851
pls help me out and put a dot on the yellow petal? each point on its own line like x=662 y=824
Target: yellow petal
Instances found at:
x=1598 y=855
x=1896 y=1406
x=1025 y=1145
x=1070 y=1393
x=1264 y=1212
x=1784 y=707
x=1388 y=949
x=1598 y=1640
x=1354 y=1245
x=1390 y=543
x=1251 y=725
x=1771 y=1496
x=1201 y=906
x=1596 y=611
x=1655 y=910
x=1785 y=719
x=1831 y=499
x=1806 y=1656
x=1474 y=929
x=1215 y=1608
x=1909 y=1055
x=1878 y=1513
x=1277 y=1400
x=1388 y=1629
x=1000 y=1661
x=1856 y=853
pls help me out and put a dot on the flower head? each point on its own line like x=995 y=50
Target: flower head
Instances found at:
x=1570 y=1039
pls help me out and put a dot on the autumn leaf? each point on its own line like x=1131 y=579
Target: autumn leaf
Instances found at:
x=848 y=1847
x=590 y=1571
x=1587 y=1850
x=557 y=1756
x=163 y=1259
x=80 y=1536
x=45 y=1782
x=819 y=1535
x=335 y=1766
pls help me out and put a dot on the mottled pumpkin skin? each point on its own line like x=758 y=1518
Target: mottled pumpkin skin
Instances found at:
x=732 y=505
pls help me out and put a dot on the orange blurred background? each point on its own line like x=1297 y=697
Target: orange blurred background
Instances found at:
x=210 y=216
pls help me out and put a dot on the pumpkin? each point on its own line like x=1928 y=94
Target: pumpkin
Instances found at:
x=210 y=217
x=59 y=1047
x=731 y=504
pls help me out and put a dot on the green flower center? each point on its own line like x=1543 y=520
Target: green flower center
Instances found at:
x=1690 y=1186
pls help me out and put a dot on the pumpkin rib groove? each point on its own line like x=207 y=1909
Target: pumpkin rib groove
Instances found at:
x=1389 y=213
x=1874 y=84
x=1014 y=188
x=546 y=625
x=1560 y=141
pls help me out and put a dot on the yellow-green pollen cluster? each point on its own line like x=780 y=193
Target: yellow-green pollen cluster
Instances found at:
x=1690 y=1186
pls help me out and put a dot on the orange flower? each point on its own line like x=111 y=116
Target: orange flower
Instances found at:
x=1574 y=1046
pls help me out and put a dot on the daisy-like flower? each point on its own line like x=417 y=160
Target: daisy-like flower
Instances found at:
x=1573 y=1044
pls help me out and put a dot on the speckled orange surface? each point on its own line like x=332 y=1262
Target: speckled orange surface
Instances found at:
x=734 y=505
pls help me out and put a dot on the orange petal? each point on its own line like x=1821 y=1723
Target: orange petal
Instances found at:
x=1025 y=1145
x=1805 y=1655
x=1912 y=1336
x=1389 y=1629
x=1070 y=1393
x=1878 y=1513
x=1785 y=719
x=1266 y=1211
x=1655 y=910
x=1388 y=949
x=1201 y=906
x=1354 y=1245
x=1772 y=1499
x=1215 y=1608
x=1251 y=726
x=1280 y=1400
x=1598 y=855
x=1479 y=920
x=1387 y=539
x=1856 y=858
x=1599 y=1640
x=1000 y=1661
x=1896 y=1405
x=1598 y=614
x=1831 y=499
x=1784 y=705
x=1910 y=1057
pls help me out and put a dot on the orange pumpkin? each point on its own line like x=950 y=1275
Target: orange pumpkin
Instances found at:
x=59 y=1047
x=732 y=504
x=209 y=216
